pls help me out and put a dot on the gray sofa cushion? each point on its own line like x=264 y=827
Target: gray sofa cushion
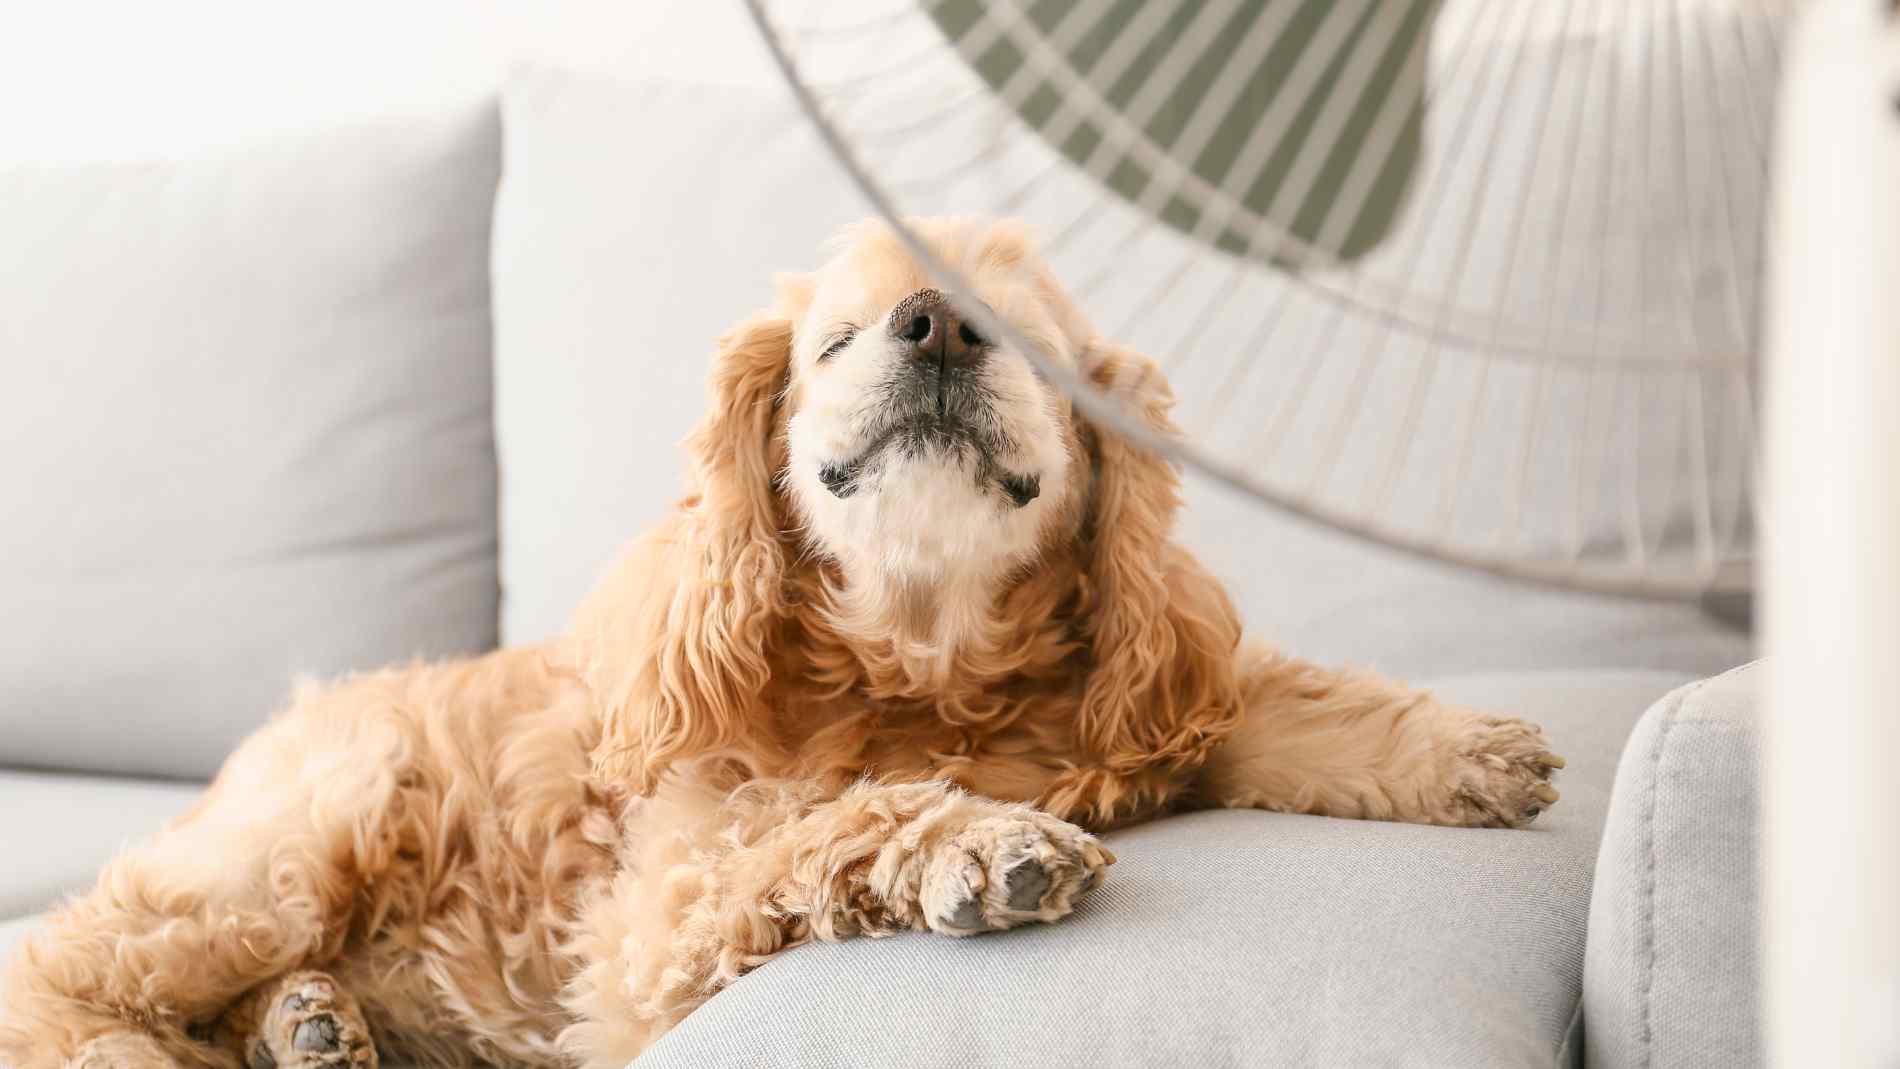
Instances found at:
x=245 y=432
x=60 y=828
x=1670 y=975
x=1240 y=938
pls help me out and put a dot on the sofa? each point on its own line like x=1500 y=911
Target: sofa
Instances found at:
x=386 y=368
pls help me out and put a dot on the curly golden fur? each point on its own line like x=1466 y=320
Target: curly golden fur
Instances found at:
x=917 y=633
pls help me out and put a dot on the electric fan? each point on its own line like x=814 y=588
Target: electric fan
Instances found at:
x=1473 y=278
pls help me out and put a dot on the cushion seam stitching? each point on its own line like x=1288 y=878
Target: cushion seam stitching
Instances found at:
x=1645 y=1035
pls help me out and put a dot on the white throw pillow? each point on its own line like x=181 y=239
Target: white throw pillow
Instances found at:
x=245 y=432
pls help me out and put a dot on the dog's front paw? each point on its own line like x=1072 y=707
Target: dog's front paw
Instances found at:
x=1500 y=774
x=1001 y=871
x=311 y=1023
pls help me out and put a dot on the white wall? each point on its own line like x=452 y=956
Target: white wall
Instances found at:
x=132 y=78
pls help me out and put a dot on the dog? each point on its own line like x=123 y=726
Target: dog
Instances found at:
x=917 y=635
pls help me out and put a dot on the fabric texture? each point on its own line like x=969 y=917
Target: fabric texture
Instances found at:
x=59 y=829
x=1670 y=976
x=1240 y=938
x=246 y=433
x=606 y=315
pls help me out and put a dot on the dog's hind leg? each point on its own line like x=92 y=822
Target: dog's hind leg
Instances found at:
x=258 y=881
x=167 y=939
x=172 y=934
x=304 y=1020
x=707 y=895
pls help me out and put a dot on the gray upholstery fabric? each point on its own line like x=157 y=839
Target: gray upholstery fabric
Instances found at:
x=245 y=432
x=1240 y=938
x=1670 y=975
x=58 y=829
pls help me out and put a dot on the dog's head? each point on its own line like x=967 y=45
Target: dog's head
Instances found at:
x=862 y=422
x=918 y=449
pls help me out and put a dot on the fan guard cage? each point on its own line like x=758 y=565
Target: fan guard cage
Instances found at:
x=1475 y=279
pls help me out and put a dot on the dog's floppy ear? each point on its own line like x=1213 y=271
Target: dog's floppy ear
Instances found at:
x=1161 y=631
x=674 y=645
x=736 y=450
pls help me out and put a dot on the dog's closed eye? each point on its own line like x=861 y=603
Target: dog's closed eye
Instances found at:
x=836 y=343
x=1022 y=489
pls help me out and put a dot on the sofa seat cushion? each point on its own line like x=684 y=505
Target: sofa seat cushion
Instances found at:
x=1241 y=938
x=60 y=828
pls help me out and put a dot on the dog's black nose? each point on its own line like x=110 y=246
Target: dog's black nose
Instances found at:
x=933 y=332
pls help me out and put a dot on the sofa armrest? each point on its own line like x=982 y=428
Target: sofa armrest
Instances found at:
x=1670 y=974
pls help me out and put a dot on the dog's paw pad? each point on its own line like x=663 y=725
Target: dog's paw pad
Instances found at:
x=1026 y=884
x=1002 y=871
x=318 y=1035
x=968 y=914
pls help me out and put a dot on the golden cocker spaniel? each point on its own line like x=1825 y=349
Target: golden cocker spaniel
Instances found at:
x=918 y=632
